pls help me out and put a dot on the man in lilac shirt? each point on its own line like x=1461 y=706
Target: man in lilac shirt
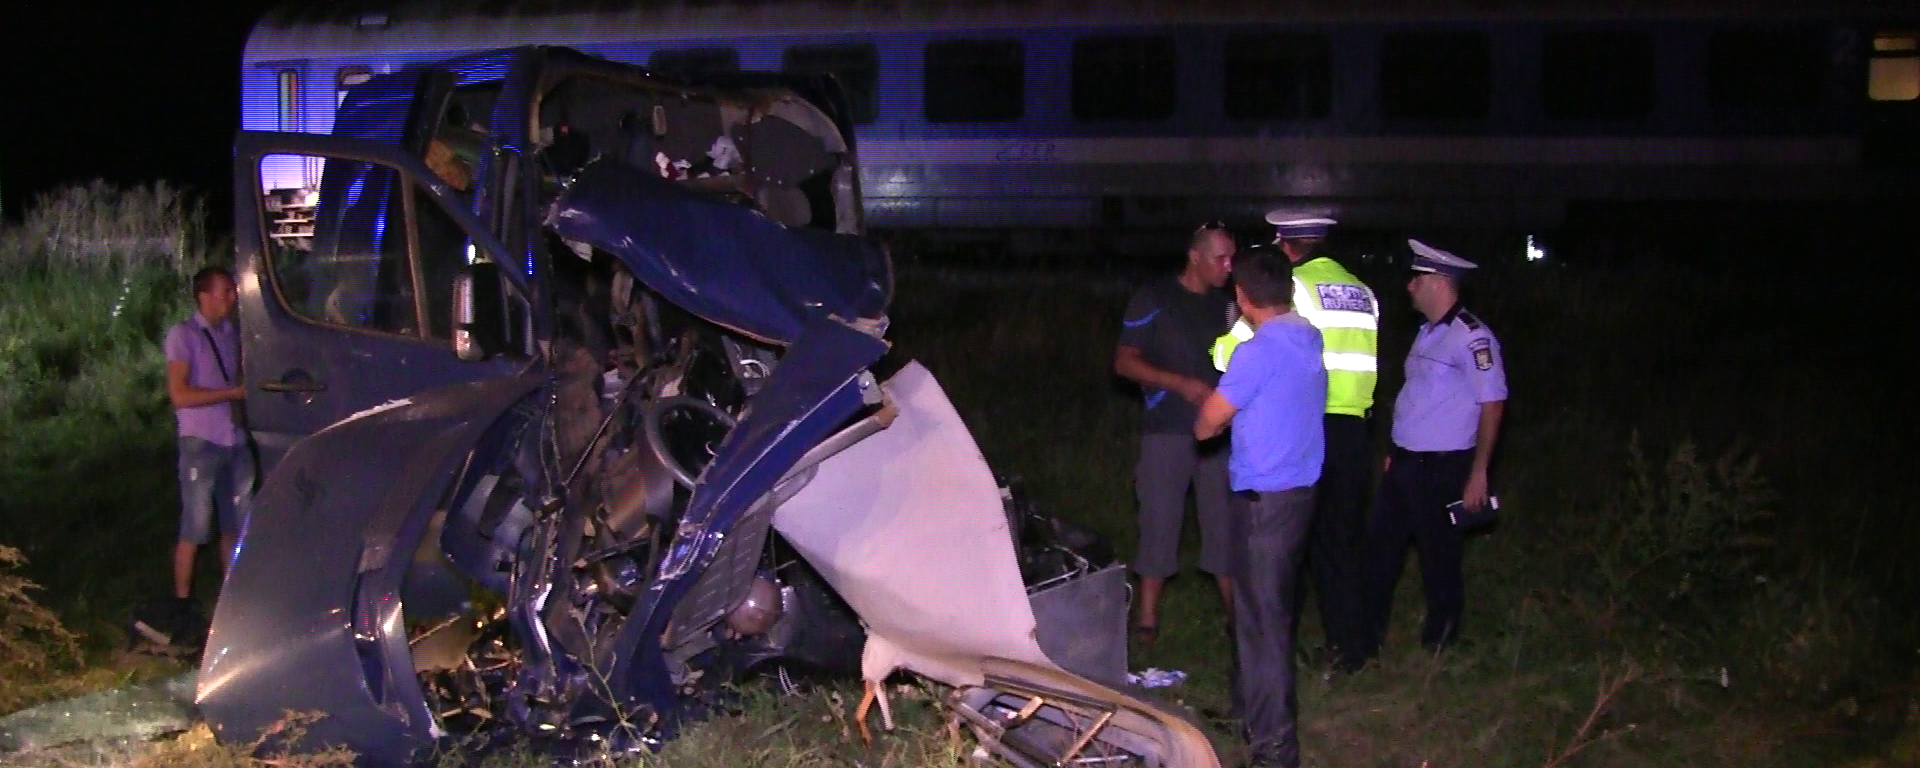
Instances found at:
x=1274 y=392
x=203 y=382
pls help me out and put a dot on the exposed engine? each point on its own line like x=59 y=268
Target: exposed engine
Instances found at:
x=570 y=522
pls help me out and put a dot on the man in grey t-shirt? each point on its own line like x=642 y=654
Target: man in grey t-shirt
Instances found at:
x=1168 y=328
x=203 y=382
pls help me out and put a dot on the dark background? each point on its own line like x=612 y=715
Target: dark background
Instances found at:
x=128 y=92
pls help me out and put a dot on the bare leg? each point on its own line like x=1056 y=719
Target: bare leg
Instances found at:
x=183 y=568
x=1150 y=589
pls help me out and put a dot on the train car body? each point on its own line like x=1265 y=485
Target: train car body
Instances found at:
x=1116 y=115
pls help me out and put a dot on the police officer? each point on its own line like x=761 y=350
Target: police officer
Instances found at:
x=1347 y=314
x=1445 y=421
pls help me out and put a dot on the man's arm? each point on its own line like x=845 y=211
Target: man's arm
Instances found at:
x=1131 y=365
x=186 y=395
x=1215 y=414
x=1475 y=494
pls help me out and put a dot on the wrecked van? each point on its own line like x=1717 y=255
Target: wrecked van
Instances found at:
x=573 y=387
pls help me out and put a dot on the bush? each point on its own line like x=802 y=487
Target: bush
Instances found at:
x=33 y=642
x=1684 y=539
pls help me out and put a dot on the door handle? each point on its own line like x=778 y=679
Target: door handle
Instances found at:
x=294 y=386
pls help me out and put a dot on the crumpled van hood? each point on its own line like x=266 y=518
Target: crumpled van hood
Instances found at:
x=723 y=262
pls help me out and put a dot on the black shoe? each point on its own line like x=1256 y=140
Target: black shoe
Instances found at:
x=1269 y=757
x=173 y=625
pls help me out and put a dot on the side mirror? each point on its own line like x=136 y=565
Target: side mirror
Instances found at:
x=479 y=313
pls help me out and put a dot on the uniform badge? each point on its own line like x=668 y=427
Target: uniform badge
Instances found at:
x=1482 y=354
x=1344 y=298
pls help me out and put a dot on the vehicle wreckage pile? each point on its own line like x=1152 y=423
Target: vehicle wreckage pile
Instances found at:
x=685 y=454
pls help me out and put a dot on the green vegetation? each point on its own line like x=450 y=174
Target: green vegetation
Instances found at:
x=88 y=282
x=1700 y=561
x=1707 y=511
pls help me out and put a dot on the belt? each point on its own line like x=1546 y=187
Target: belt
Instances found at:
x=1400 y=453
x=1256 y=496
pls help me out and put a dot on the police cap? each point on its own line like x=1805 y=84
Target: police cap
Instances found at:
x=1427 y=258
x=1290 y=223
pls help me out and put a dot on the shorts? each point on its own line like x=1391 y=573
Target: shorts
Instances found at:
x=1169 y=464
x=214 y=479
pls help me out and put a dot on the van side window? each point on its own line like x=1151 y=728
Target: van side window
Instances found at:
x=360 y=246
x=1124 y=78
x=1597 y=75
x=1277 y=76
x=340 y=259
x=1435 y=76
x=1765 y=70
x=855 y=66
x=975 y=81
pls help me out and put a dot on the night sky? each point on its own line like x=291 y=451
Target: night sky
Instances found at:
x=128 y=92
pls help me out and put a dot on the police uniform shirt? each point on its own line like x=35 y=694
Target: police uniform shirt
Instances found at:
x=1173 y=327
x=1454 y=366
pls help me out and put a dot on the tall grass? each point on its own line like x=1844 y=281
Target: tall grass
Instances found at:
x=1700 y=558
x=100 y=228
x=89 y=280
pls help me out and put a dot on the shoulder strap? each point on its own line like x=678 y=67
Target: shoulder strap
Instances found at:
x=217 y=359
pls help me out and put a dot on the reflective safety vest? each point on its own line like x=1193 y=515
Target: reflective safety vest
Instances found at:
x=1348 y=316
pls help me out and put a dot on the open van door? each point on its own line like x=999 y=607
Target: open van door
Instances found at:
x=349 y=254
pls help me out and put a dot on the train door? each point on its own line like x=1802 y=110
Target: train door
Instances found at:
x=348 y=251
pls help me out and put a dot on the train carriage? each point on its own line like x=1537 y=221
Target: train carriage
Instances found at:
x=1038 y=115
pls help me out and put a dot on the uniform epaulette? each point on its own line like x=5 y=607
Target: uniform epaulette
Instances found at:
x=1473 y=323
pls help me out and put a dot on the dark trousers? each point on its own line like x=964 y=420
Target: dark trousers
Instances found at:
x=1270 y=531
x=1412 y=505
x=1336 y=550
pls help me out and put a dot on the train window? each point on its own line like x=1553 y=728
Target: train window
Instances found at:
x=1597 y=75
x=1435 y=76
x=855 y=66
x=1123 y=78
x=1766 y=69
x=346 y=78
x=980 y=81
x=1278 y=76
x=694 y=61
x=287 y=90
x=1893 y=74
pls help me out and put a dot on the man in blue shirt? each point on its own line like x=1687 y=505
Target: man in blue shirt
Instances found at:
x=1274 y=392
x=1445 y=421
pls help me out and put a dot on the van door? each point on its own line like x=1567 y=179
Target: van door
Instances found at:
x=347 y=251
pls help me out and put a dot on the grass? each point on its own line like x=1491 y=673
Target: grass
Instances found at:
x=1696 y=535
x=88 y=282
x=1707 y=511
